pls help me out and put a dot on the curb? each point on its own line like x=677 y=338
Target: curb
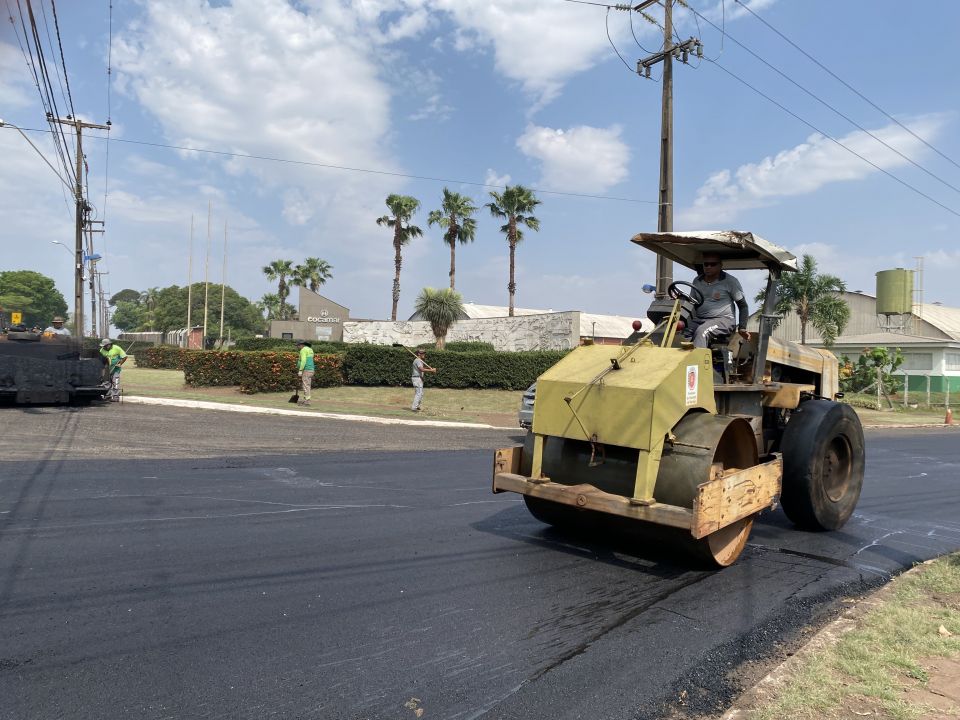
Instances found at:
x=254 y=409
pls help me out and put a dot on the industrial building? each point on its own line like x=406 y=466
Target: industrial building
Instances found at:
x=928 y=334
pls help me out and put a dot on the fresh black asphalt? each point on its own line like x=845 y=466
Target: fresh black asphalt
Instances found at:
x=326 y=581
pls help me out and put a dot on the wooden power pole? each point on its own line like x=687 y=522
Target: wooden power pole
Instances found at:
x=81 y=222
x=669 y=52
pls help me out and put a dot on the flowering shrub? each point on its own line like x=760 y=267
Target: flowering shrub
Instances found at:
x=253 y=372
x=164 y=357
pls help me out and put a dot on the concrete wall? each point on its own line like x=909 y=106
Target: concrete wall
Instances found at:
x=550 y=331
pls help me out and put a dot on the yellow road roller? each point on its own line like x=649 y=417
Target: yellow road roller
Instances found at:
x=692 y=442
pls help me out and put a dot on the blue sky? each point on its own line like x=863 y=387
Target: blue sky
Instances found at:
x=485 y=91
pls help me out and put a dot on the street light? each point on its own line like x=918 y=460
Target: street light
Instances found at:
x=57 y=242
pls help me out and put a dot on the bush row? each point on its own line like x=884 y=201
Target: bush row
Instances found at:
x=164 y=357
x=319 y=346
x=372 y=365
x=266 y=371
x=384 y=365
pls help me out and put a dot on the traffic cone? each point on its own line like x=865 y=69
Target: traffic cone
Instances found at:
x=948 y=419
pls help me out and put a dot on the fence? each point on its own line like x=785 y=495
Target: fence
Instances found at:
x=173 y=337
x=905 y=389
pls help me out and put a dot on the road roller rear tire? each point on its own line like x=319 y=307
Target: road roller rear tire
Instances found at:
x=823 y=463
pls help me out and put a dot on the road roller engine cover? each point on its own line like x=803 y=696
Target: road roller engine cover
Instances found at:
x=694 y=441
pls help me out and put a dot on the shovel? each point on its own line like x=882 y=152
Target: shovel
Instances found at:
x=295 y=398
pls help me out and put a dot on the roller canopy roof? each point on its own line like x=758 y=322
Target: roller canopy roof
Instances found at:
x=738 y=250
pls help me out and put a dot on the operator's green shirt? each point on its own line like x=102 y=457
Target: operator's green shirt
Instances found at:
x=306 y=359
x=114 y=355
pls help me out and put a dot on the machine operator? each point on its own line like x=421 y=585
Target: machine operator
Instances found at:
x=715 y=316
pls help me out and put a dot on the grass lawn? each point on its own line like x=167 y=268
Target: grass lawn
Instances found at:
x=493 y=407
x=900 y=660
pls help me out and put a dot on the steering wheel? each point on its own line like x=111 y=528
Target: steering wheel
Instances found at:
x=694 y=296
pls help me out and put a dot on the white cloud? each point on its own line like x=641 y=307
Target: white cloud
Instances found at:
x=804 y=169
x=538 y=43
x=492 y=178
x=579 y=159
x=13 y=92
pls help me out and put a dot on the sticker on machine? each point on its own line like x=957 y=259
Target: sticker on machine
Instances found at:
x=693 y=381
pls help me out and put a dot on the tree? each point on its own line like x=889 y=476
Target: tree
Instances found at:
x=168 y=311
x=442 y=309
x=280 y=270
x=128 y=316
x=514 y=204
x=125 y=295
x=455 y=216
x=813 y=298
x=403 y=208
x=270 y=305
x=33 y=294
x=313 y=273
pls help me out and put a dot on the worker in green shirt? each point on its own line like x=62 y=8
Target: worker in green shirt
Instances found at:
x=114 y=356
x=305 y=370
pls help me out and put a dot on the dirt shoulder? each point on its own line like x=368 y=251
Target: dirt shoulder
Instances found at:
x=893 y=654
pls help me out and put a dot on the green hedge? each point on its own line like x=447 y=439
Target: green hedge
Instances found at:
x=319 y=346
x=385 y=365
x=254 y=372
x=469 y=346
x=164 y=357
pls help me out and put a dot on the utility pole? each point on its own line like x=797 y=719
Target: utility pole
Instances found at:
x=223 y=281
x=669 y=52
x=206 y=280
x=190 y=283
x=81 y=220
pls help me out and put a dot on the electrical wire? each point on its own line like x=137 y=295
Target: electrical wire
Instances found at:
x=63 y=60
x=63 y=93
x=848 y=85
x=835 y=110
x=610 y=40
x=346 y=168
x=834 y=140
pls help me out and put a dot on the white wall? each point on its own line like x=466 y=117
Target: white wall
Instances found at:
x=550 y=331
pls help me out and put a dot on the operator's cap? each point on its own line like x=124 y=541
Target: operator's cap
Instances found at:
x=105 y=342
x=58 y=319
x=300 y=342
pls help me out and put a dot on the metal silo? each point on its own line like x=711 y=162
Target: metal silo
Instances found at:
x=895 y=292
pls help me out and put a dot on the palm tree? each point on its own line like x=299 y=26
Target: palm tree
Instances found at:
x=280 y=270
x=312 y=274
x=442 y=309
x=403 y=207
x=515 y=204
x=269 y=305
x=455 y=216
x=813 y=298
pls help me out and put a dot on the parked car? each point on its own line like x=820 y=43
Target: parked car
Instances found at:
x=526 y=407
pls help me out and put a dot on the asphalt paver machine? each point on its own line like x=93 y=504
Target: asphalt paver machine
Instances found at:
x=692 y=442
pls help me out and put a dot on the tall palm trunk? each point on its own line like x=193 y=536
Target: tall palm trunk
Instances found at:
x=512 y=286
x=397 y=262
x=452 y=241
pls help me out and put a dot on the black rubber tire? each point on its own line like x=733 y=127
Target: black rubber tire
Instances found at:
x=823 y=463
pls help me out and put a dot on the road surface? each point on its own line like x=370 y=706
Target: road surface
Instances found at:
x=169 y=563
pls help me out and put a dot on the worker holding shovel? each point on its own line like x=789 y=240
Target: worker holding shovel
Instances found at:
x=419 y=368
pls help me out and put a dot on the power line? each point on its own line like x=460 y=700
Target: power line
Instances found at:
x=63 y=60
x=835 y=110
x=848 y=85
x=347 y=168
x=610 y=40
x=834 y=140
